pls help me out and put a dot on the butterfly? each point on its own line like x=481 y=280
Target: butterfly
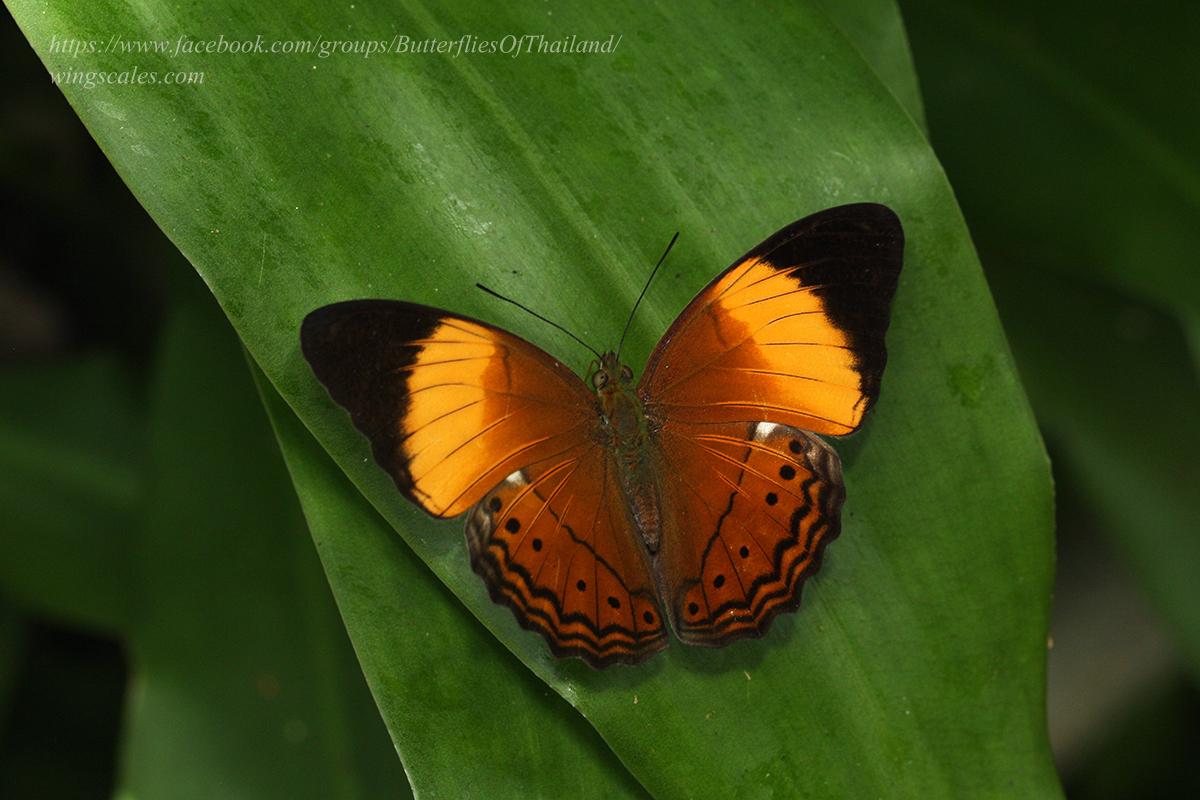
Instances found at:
x=699 y=498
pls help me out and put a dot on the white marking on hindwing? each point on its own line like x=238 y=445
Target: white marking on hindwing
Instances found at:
x=763 y=431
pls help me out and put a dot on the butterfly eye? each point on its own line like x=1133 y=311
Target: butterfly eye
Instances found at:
x=626 y=374
x=600 y=379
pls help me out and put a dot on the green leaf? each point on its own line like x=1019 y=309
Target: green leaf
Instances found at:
x=875 y=28
x=1081 y=179
x=468 y=718
x=71 y=443
x=917 y=663
x=245 y=682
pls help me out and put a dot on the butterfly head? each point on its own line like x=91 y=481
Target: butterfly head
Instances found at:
x=619 y=404
x=609 y=376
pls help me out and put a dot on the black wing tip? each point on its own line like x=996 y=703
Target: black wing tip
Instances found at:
x=874 y=227
x=884 y=225
x=878 y=222
x=866 y=209
x=341 y=308
x=880 y=217
x=318 y=322
x=862 y=245
x=353 y=348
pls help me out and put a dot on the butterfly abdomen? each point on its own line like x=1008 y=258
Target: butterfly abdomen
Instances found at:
x=628 y=432
x=641 y=495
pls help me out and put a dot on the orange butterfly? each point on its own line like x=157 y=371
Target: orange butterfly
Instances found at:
x=698 y=497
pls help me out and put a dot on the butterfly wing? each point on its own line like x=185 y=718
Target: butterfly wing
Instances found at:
x=750 y=508
x=463 y=414
x=553 y=542
x=451 y=405
x=790 y=339
x=791 y=333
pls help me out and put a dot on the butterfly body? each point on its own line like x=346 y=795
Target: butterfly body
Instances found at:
x=698 y=499
x=626 y=432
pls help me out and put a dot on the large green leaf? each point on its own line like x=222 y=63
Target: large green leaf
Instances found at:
x=1080 y=174
x=916 y=666
x=467 y=717
x=245 y=683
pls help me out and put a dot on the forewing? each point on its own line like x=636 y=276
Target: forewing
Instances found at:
x=450 y=405
x=792 y=333
x=554 y=543
x=750 y=509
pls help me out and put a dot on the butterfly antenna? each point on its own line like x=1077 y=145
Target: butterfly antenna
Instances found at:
x=539 y=316
x=653 y=272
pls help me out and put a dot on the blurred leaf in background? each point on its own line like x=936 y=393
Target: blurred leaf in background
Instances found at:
x=78 y=307
x=1072 y=136
x=71 y=442
x=244 y=681
x=70 y=448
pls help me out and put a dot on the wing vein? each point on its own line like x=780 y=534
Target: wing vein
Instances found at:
x=755 y=406
x=546 y=505
x=508 y=456
x=485 y=390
